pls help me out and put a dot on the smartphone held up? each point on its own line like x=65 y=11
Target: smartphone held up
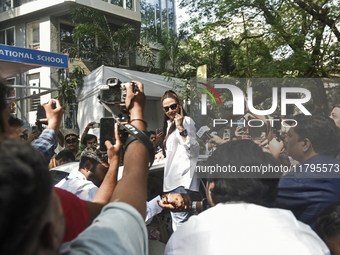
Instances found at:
x=107 y=132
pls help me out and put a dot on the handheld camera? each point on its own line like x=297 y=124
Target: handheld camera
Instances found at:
x=114 y=93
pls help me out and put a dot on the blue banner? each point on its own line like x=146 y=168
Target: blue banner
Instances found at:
x=33 y=57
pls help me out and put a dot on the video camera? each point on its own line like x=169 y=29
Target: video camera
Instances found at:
x=114 y=93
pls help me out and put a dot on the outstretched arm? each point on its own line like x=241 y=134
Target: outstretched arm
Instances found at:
x=132 y=188
x=86 y=130
x=108 y=185
x=47 y=141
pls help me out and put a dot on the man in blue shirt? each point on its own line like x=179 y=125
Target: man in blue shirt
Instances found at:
x=315 y=183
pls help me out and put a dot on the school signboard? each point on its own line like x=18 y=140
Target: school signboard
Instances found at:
x=17 y=60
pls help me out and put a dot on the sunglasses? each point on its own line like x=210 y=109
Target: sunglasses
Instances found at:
x=172 y=107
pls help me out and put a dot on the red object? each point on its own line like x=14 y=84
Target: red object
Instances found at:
x=76 y=213
x=53 y=163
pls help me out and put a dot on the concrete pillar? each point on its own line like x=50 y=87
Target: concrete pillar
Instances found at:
x=55 y=46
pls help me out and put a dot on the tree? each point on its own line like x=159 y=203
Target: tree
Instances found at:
x=170 y=43
x=67 y=90
x=104 y=44
x=67 y=86
x=208 y=47
x=279 y=38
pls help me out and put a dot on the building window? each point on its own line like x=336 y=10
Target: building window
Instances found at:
x=33 y=38
x=5 y=5
x=11 y=94
x=34 y=84
x=18 y=3
x=7 y=36
x=66 y=40
x=68 y=46
x=117 y=2
x=129 y=4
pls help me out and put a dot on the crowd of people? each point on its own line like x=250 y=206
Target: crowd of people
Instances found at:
x=91 y=212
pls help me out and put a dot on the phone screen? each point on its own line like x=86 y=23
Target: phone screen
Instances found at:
x=107 y=132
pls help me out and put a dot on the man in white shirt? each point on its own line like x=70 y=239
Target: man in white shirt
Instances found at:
x=242 y=219
x=84 y=182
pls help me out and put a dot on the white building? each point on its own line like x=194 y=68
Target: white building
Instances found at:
x=44 y=25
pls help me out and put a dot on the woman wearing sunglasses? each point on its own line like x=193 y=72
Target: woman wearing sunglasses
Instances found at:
x=181 y=149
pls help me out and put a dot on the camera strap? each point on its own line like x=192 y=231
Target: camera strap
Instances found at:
x=135 y=134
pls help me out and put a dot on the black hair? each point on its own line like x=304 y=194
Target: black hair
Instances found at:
x=66 y=155
x=328 y=222
x=260 y=191
x=26 y=190
x=151 y=132
x=322 y=133
x=14 y=121
x=336 y=104
x=94 y=162
x=3 y=104
x=89 y=137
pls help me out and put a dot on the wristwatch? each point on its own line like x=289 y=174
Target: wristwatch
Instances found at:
x=183 y=133
x=194 y=207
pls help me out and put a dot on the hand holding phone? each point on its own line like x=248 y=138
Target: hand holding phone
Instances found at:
x=107 y=132
x=159 y=130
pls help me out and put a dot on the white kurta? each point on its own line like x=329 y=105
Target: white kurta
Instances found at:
x=77 y=184
x=181 y=158
x=243 y=229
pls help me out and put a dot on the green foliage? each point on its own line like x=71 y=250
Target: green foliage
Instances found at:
x=103 y=43
x=68 y=86
x=271 y=39
x=170 y=49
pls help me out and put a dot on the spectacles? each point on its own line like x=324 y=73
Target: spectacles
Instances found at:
x=172 y=107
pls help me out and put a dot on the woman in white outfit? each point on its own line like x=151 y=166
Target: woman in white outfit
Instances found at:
x=181 y=149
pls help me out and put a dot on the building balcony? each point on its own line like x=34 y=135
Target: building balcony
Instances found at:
x=126 y=9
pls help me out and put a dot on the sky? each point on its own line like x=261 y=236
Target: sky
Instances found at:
x=181 y=15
